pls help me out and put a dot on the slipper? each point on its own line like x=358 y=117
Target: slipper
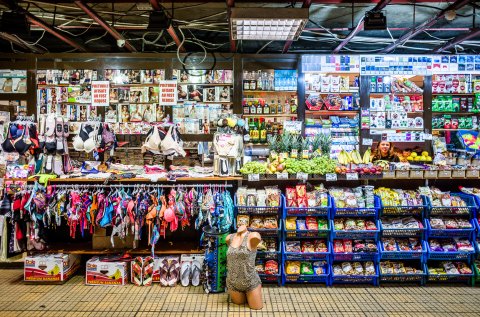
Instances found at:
x=173 y=273
x=59 y=134
x=164 y=272
x=196 y=272
x=185 y=272
x=137 y=271
x=148 y=264
x=50 y=125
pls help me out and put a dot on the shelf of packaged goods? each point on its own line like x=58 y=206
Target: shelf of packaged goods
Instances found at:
x=61 y=85
x=454 y=94
x=329 y=93
x=206 y=102
x=271 y=115
x=270 y=91
x=139 y=180
x=340 y=129
x=200 y=84
x=458 y=113
x=407 y=112
x=455 y=129
x=332 y=112
x=396 y=93
x=398 y=129
x=133 y=85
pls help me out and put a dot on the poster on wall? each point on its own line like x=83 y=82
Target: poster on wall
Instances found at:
x=13 y=81
x=168 y=92
x=101 y=93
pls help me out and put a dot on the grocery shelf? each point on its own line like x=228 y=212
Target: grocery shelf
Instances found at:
x=329 y=93
x=270 y=91
x=398 y=129
x=454 y=129
x=397 y=93
x=456 y=113
x=332 y=112
x=270 y=115
x=200 y=84
x=452 y=94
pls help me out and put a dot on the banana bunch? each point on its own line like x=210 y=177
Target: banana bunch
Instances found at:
x=116 y=275
x=366 y=156
x=343 y=157
x=356 y=157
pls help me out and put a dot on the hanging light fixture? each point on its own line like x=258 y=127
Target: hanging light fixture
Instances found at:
x=268 y=24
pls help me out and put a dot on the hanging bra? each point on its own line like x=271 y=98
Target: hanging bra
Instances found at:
x=85 y=140
x=169 y=146
x=16 y=145
x=153 y=141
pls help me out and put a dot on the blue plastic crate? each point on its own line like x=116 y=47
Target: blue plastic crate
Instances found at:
x=469 y=210
x=301 y=256
x=271 y=255
x=355 y=256
x=449 y=278
x=307 y=211
x=476 y=245
x=405 y=210
x=249 y=210
x=477 y=227
x=357 y=212
x=403 y=232
x=304 y=278
x=444 y=233
x=403 y=255
x=355 y=279
x=353 y=234
x=263 y=232
x=271 y=278
x=477 y=202
x=404 y=278
x=449 y=256
x=301 y=234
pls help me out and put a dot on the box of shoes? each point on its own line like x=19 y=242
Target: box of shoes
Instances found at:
x=106 y=271
x=53 y=268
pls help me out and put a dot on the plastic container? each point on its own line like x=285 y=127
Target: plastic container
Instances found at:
x=247 y=210
x=355 y=234
x=405 y=210
x=403 y=232
x=310 y=256
x=405 y=278
x=355 y=279
x=357 y=212
x=404 y=255
x=308 y=211
x=449 y=278
x=263 y=232
x=449 y=256
x=356 y=256
x=444 y=233
x=312 y=279
x=470 y=209
x=307 y=234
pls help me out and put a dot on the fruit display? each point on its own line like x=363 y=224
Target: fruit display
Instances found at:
x=355 y=268
x=448 y=267
x=359 y=197
x=389 y=267
x=354 y=157
x=398 y=197
x=254 y=167
x=424 y=157
x=320 y=165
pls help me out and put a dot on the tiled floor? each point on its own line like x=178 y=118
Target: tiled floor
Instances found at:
x=76 y=299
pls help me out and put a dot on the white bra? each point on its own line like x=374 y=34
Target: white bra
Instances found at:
x=152 y=142
x=90 y=144
x=169 y=146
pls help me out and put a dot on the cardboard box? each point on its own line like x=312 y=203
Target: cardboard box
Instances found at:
x=430 y=174
x=100 y=272
x=472 y=174
x=50 y=267
x=402 y=174
x=444 y=174
x=416 y=174
x=458 y=174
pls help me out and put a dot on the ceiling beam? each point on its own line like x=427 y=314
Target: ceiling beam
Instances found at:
x=171 y=31
x=422 y=27
x=286 y=47
x=24 y=45
x=457 y=40
x=233 y=43
x=110 y=29
x=380 y=5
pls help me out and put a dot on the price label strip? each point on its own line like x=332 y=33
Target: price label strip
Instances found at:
x=302 y=176
x=282 y=175
x=331 y=177
x=352 y=176
x=253 y=177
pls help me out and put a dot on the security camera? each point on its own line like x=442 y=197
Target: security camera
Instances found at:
x=120 y=43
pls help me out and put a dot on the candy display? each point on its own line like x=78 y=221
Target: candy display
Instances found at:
x=355 y=268
x=398 y=197
x=401 y=244
x=388 y=267
x=299 y=197
x=452 y=204
x=305 y=268
x=354 y=246
x=449 y=223
x=350 y=224
x=448 y=267
x=359 y=197
x=401 y=223
x=451 y=245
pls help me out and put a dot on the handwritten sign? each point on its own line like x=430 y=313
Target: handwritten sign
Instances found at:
x=302 y=176
x=331 y=177
x=352 y=176
x=253 y=177
x=100 y=93
x=168 y=92
x=282 y=175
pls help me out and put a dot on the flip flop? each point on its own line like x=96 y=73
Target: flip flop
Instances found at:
x=148 y=264
x=173 y=273
x=164 y=272
x=185 y=273
x=137 y=271
x=196 y=272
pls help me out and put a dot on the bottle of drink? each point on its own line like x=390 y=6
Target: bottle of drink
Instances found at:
x=253 y=109
x=293 y=106
x=259 y=80
x=255 y=138
x=266 y=108
x=273 y=107
x=279 y=107
x=259 y=108
x=268 y=127
x=246 y=107
x=286 y=107
x=263 y=131
x=246 y=81
x=253 y=81
x=251 y=129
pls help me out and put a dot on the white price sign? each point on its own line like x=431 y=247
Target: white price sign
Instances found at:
x=282 y=175
x=367 y=141
x=427 y=136
x=331 y=177
x=352 y=176
x=302 y=176
x=253 y=177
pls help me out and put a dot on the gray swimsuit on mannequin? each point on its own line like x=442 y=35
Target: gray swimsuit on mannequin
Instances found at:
x=241 y=274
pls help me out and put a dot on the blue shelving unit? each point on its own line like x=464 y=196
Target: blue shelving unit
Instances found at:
x=457 y=233
x=355 y=279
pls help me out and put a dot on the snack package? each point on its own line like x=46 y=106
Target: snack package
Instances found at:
x=292 y=246
x=359 y=246
x=271 y=267
x=437 y=223
x=301 y=224
x=322 y=224
x=338 y=225
x=259 y=267
x=261 y=198
x=302 y=201
x=369 y=268
x=398 y=268
x=308 y=247
x=371 y=246
x=347 y=268
x=292 y=267
x=360 y=224
x=270 y=223
x=251 y=197
x=319 y=268
x=262 y=246
x=273 y=196
x=435 y=246
x=291 y=223
x=389 y=244
x=320 y=246
x=370 y=225
x=463 y=268
x=291 y=197
x=337 y=270
x=358 y=268
x=350 y=224
x=403 y=245
x=348 y=246
x=415 y=244
x=243 y=220
x=256 y=222
x=311 y=223
x=242 y=196
x=338 y=246
x=306 y=268
x=271 y=245
x=386 y=267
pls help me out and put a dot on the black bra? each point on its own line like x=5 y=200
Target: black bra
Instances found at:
x=16 y=145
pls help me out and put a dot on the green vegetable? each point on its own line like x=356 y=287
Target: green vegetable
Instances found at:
x=254 y=168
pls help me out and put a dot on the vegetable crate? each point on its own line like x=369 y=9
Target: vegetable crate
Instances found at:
x=405 y=277
x=355 y=279
x=403 y=232
x=356 y=256
x=307 y=211
x=449 y=278
x=405 y=210
x=470 y=208
x=404 y=255
x=357 y=212
x=449 y=256
x=355 y=234
x=443 y=233
x=307 y=234
x=308 y=278
x=310 y=256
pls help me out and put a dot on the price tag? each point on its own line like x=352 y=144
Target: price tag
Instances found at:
x=302 y=176
x=253 y=177
x=352 y=176
x=367 y=141
x=427 y=136
x=331 y=177
x=282 y=175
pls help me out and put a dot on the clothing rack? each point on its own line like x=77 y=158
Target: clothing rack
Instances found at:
x=140 y=186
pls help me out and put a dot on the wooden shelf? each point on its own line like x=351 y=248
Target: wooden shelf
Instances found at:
x=458 y=113
x=200 y=84
x=455 y=129
x=270 y=91
x=329 y=93
x=332 y=112
x=270 y=115
x=397 y=93
x=453 y=94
